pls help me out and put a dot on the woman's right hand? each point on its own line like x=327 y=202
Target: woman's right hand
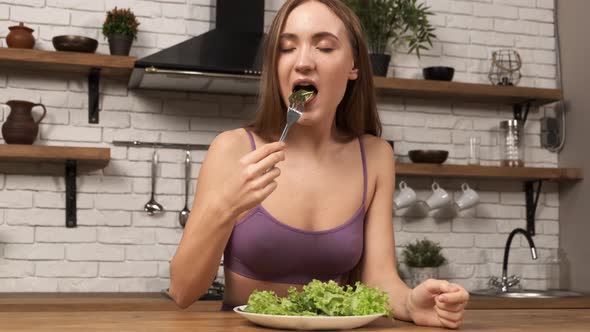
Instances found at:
x=254 y=179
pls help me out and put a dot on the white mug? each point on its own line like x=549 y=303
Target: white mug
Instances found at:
x=438 y=198
x=468 y=199
x=405 y=197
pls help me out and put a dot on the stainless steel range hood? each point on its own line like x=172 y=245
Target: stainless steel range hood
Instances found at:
x=226 y=59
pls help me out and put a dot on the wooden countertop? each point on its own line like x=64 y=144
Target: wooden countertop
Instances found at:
x=154 y=312
x=538 y=320
x=34 y=302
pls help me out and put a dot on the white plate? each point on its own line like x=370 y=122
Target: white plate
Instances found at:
x=307 y=322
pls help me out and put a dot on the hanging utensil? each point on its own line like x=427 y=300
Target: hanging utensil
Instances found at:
x=152 y=207
x=183 y=215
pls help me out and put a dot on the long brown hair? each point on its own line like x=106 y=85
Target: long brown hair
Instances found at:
x=357 y=112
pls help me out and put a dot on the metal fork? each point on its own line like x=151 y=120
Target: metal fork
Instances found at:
x=293 y=115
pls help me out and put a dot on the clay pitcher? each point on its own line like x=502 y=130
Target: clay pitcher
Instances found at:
x=20 y=36
x=20 y=127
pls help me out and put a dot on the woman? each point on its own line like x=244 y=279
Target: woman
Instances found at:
x=326 y=212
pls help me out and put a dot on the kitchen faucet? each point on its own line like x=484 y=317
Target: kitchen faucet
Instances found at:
x=506 y=282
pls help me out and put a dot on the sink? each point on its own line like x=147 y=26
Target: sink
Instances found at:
x=527 y=293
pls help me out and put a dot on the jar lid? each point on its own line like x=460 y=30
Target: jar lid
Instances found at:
x=22 y=26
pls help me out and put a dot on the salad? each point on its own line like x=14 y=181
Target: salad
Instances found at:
x=321 y=299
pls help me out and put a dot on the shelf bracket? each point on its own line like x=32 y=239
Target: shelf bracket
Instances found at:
x=518 y=112
x=93 y=83
x=70 y=178
x=531 y=203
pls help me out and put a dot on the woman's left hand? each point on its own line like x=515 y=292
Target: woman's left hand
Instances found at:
x=437 y=303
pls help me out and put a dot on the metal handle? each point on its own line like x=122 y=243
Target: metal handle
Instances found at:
x=187 y=171
x=154 y=171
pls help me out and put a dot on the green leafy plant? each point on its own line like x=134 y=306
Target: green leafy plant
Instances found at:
x=395 y=21
x=423 y=253
x=120 y=21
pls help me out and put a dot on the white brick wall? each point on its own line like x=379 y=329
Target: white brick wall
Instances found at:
x=117 y=247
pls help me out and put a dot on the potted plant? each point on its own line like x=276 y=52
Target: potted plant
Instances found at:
x=120 y=28
x=393 y=22
x=423 y=259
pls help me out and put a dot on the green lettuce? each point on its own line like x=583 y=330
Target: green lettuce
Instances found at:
x=321 y=299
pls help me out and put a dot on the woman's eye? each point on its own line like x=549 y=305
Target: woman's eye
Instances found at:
x=286 y=49
x=325 y=49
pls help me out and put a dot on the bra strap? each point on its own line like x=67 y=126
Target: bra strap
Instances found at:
x=364 y=169
x=252 y=143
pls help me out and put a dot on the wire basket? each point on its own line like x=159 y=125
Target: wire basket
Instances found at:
x=505 y=68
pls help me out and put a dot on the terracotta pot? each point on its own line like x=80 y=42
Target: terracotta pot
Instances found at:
x=20 y=127
x=20 y=36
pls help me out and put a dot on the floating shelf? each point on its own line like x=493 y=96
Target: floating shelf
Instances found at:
x=92 y=65
x=65 y=62
x=466 y=92
x=71 y=157
x=528 y=175
x=489 y=172
x=121 y=66
x=96 y=65
x=95 y=158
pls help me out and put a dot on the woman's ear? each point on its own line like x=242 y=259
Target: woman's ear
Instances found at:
x=353 y=74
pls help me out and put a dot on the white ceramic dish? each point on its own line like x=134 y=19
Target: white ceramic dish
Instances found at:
x=307 y=322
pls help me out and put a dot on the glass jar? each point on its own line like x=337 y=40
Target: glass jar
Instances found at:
x=512 y=143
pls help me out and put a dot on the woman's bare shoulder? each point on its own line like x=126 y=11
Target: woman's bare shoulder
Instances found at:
x=222 y=157
x=376 y=146
x=231 y=143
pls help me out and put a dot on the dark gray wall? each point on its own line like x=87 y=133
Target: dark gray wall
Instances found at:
x=574 y=199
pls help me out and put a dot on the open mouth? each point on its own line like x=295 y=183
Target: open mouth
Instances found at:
x=307 y=88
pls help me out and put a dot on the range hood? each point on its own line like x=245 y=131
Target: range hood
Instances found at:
x=227 y=59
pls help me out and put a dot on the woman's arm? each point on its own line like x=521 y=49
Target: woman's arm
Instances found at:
x=433 y=302
x=379 y=261
x=231 y=181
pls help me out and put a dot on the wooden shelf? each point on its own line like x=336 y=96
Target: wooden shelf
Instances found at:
x=93 y=157
x=121 y=67
x=70 y=157
x=465 y=92
x=112 y=66
x=489 y=172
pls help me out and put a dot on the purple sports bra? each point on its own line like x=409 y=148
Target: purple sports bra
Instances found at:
x=263 y=248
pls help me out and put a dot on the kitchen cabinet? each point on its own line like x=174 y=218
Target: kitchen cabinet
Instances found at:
x=89 y=158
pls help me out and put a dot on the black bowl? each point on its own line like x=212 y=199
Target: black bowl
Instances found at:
x=438 y=73
x=428 y=156
x=72 y=43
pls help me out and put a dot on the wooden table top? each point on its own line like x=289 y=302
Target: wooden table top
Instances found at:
x=538 y=320
x=159 y=302
x=150 y=312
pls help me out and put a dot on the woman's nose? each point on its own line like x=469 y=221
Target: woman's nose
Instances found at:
x=305 y=61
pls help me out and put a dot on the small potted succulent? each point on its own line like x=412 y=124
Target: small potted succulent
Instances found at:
x=120 y=28
x=423 y=259
x=393 y=22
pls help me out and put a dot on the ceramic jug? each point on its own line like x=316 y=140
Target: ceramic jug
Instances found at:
x=20 y=36
x=20 y=127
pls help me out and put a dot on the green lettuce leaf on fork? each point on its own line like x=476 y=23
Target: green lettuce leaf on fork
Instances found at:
x=300 y=96
x=321 y=299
